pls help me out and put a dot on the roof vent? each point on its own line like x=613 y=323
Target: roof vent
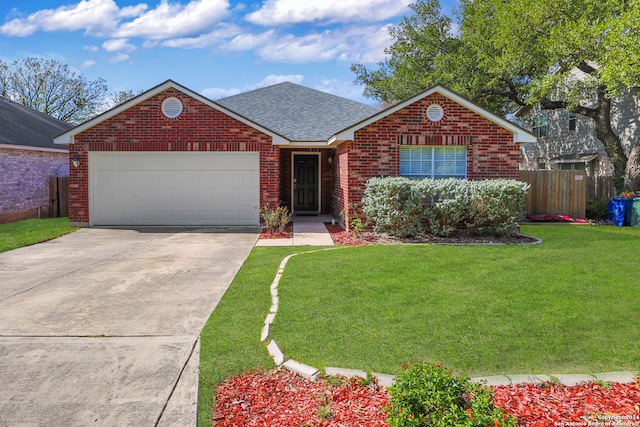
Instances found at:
x=435 y=113
x=171 y=107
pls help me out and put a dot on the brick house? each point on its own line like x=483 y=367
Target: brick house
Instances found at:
x=173 y=157
x=28 y=157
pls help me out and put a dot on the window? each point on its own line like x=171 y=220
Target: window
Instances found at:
x=542 y=166
x=540 y=126
x=573 y=166
x=433 y=162
x=572 y=122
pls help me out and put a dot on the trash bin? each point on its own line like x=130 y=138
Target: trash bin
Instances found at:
x=635 y=213
x=618 y=208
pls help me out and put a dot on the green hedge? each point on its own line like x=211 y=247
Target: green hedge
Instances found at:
x=405 y=207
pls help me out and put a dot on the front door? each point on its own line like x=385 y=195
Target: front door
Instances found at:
x=305 y=183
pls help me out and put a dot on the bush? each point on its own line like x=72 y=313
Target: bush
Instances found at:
x=597 y=209
x=430 y=395
x=496 y=206
x=275 y=218
x=403 y=207
x=393 y=206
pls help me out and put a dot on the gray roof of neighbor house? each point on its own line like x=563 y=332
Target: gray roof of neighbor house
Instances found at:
x=20 y=125
x=298 y=113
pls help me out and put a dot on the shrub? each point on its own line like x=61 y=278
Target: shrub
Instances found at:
x=496 y=206
x=275 y=218
x=403 y=207
x=597 y=209
x=430 y=395
x=393 y=206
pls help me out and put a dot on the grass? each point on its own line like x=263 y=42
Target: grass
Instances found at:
x=17 y=234
x=568 y=305
x=230 y=340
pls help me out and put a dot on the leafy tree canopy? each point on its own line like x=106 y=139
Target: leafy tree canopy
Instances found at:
x=505 y=54
x=51 y=87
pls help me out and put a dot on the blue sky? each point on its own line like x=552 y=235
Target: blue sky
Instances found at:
x=215 y=47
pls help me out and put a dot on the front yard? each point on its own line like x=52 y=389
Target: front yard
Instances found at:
x=17 y=234
x=568 y=305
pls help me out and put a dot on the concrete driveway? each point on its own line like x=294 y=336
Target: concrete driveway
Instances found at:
x=100 y=327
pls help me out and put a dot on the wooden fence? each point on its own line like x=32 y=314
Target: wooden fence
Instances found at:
x=556 y=192
x=600 y=188
x=58 y=196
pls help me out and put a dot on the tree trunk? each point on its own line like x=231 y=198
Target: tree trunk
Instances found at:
x=610 y=140
x=632 y=181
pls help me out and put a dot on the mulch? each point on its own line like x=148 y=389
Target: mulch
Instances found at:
x=281 y=398
x=342 y=237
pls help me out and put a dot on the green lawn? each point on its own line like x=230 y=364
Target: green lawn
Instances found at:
x=567 y=305
x=28 y=232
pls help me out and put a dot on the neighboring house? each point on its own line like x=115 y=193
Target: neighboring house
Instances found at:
x=173 y=157
x=568 y=141
x=28 y=157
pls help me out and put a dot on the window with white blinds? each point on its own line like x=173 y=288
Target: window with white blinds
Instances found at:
x=433 y=162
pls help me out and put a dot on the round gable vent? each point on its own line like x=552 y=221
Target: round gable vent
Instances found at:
x=435 y=113
x=171 y=107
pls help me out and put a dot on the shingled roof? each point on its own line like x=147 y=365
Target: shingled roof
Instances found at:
x=23 y=126
x=296 y=112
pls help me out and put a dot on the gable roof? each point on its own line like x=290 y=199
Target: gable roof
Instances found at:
x=67 y=137
x=25 y=127
x=520 y=135
x=297 y=112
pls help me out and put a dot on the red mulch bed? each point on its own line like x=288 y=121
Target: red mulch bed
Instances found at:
x=284 y=399
x=286 y=234
x=342 y=237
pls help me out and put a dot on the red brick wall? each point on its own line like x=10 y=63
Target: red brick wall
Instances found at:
x=491 y=152
x=326 y=179
x=143 y=127
x=24 y=181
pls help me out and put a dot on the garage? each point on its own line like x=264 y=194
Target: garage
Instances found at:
x=174 y=188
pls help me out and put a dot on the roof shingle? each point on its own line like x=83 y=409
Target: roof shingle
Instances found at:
x=20 y=125
x=296 y=112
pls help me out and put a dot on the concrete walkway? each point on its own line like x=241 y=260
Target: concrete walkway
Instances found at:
x=308 y=230
x=307 y=371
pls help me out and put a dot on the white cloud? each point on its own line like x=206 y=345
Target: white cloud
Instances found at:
x=356 y=44
x=218 y=92
x=96 y=17
x=282 y=12
x=118 y=45
x=88 y=63
x=249 y=41
x=169 y=20
x=91 y=48
x=213 y=38
x=118 y=58
x=310 y=48
x=346 y=89
x=272 y=79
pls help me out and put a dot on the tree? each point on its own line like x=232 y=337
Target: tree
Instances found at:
x=511 y=53
x=52 y=88
x=116 y=98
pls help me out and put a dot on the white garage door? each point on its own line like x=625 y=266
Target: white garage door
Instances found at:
x=174 y=188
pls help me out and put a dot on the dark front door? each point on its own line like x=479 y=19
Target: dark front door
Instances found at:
x=305 y=183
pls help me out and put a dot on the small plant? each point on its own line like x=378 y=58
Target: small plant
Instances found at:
x=275 y=218
x=430 y=395
x=597 y=209
x=354 y=218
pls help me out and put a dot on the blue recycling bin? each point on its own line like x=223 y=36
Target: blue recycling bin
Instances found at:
x=621 y=209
